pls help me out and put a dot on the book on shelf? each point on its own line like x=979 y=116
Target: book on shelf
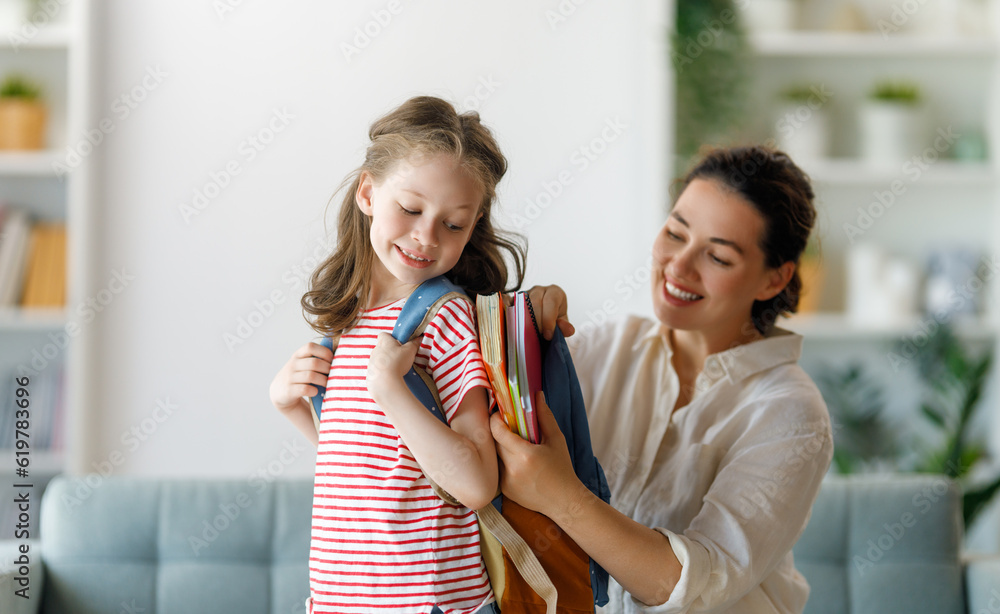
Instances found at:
x=508 y=337
x=32 y=261
x=46 y=410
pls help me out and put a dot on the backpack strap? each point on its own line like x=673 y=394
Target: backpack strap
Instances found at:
x=520 y=554
x=317 y=399
x=419 y=309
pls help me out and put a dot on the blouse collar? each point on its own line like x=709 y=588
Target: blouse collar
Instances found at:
x=736 y=364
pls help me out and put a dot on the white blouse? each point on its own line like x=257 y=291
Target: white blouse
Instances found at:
x=729 y=478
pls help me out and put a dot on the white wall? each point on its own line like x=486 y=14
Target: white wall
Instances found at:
x=219 y=80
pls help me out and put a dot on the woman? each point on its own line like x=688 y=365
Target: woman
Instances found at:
x=713 y=439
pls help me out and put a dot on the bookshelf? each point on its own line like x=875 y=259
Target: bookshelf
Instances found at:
x=34 y=340
x=948 y=203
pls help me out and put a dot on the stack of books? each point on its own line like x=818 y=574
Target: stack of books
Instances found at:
x=509 y=341
x=32 y=261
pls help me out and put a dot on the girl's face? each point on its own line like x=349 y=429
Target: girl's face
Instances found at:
x=708 y=267
x=422 y=215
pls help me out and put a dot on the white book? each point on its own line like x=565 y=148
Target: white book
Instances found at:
x=14 y=245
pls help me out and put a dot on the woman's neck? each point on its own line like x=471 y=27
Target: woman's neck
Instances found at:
x=692 y=347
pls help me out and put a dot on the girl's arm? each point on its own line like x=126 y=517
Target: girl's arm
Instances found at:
x=541 y=477
x=461 y=458
x=302 y=376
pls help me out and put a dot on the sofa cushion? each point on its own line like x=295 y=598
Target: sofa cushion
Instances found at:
x=884 y=544
x=165 y=546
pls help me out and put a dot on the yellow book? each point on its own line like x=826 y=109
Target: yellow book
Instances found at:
x=44 y=298
x=57 y=280
x=492 y=342
x=31 y=295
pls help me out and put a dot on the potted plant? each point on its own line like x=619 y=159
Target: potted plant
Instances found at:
x=712 y=76
x=801 y=127
x=892 y=123
x=953 y=380
x=22 y=114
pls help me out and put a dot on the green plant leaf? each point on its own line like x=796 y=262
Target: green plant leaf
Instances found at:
x=19 y=87
x=932 y=414
x=975 y=499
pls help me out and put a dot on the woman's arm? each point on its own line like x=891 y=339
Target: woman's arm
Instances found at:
x=461 y=458
x=541 y=477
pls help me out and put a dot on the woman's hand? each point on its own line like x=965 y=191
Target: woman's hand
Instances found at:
x=305 y=372
x=389 y=362
x=549 y=305
x=538 y=476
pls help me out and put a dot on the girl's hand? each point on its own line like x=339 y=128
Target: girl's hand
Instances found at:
x=305 y=372
x=549 y=304
x=389 y=362
x=538 y=476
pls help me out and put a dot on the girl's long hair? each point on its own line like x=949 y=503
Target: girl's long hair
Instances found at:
x=424 y=125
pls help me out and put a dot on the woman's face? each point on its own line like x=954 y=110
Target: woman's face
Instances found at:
x=708 y=267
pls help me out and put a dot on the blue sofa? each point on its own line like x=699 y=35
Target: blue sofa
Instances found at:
x=160 y=546
x=192 y=546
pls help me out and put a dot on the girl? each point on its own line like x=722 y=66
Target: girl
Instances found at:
x=418 y=207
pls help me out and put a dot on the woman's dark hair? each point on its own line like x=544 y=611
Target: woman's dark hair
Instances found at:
x=783 y=195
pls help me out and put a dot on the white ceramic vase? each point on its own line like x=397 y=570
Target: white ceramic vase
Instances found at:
x=803 y=132
x=770 y=15
x=891 y=132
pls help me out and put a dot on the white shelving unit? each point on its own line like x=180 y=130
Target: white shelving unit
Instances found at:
x=801 y=44
x=951 y=203
x=58 y=56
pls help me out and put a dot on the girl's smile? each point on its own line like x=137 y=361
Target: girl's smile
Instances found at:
x=413 y=258
x=422 y=215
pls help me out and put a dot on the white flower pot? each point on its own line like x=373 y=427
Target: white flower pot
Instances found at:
x=881 y=290
x=919 y=17
x=891 y=133
x=13 y=14
x=770 y=15
x=803 y=132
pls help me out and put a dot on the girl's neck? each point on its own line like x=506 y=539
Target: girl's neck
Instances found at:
x=385 y=288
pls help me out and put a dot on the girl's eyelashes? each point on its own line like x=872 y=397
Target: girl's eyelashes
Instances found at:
x=449 y=226
x=674 y=236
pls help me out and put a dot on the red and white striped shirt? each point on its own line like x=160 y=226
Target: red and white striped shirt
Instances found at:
x=382 y=541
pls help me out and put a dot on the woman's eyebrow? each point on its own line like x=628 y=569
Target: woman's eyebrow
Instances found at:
x=717 y=240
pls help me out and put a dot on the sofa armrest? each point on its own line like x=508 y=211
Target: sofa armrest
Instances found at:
x=982 y=582
x=14 y=562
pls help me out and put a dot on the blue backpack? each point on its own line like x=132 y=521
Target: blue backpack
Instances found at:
x=564 y=397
